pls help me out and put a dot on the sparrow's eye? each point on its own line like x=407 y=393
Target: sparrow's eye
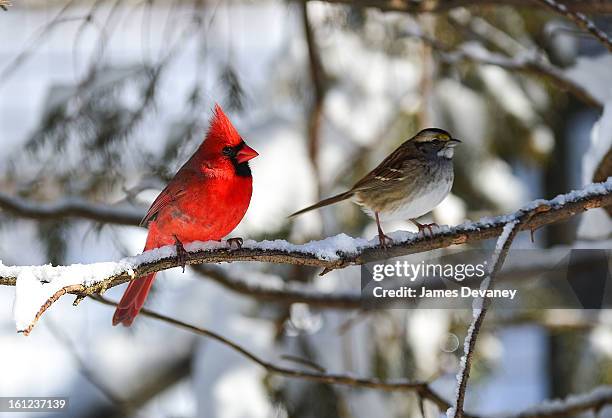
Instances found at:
x=229 y=151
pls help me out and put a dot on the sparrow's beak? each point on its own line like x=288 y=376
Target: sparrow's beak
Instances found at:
x=245 y=154
x=453 y=142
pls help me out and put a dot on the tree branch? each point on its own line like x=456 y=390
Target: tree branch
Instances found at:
x=481 y=305
x=331 y=253
x=480 y=308
x=71 y=207
x=603 y=171
x=573 y=405
x=581 y=21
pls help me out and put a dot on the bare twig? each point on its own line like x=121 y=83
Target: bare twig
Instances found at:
x=525 y=63
x=581 y=21
x=318 y=78
x=285 y=295
x=420 y=387
x=36 y=42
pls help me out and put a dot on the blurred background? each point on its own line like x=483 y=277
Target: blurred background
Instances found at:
x=102 y=101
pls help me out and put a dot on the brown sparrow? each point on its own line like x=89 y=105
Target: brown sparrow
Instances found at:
x=409 y=183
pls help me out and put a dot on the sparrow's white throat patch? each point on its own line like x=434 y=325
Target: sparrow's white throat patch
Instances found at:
x=446 y=152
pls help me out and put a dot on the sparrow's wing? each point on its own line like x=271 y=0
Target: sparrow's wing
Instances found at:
x=397 y=167
x=171 y=193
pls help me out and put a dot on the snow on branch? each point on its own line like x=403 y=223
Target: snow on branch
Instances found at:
x=480 y=307
x=581 y=21
x=38 y=287
x=573 y=405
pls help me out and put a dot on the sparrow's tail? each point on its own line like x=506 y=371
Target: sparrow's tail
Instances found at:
x=135 y=295
x=329 y=201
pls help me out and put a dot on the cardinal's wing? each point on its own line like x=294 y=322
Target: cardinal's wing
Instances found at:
x=176 y=189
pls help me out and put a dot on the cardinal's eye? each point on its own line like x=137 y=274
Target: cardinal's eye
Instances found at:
x=229 y=151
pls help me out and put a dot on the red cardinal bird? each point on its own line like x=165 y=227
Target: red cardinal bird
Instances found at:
x=204 y=201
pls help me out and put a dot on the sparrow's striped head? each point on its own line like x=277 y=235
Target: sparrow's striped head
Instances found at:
x=434 y=134
x=434 y=142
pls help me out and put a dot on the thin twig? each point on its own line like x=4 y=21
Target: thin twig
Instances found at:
x=318 y=79
x=36 y=42
x=420 y=387
x=499 y=256
x=571 y=406
x=526 y=63
x=581 y=21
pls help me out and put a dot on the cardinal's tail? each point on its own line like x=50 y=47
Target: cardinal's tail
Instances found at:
x=133 y=299
x=330 y=200
x=136 y=293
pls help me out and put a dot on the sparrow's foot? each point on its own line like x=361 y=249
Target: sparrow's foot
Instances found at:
x=235 y=243
x=384 y=240
x=181 y=253
x=423 y=227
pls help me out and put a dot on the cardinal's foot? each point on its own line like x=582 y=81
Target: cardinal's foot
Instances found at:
x=181 y=253
x=384 y=240
x=423 y=227
x=235 y=243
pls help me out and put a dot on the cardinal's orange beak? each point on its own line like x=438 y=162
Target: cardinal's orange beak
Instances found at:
x=245 y=154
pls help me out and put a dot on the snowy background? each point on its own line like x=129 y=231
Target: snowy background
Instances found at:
x=79 y=118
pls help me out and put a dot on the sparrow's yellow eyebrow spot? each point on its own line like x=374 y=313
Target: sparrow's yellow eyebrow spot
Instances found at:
x=432 y=134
